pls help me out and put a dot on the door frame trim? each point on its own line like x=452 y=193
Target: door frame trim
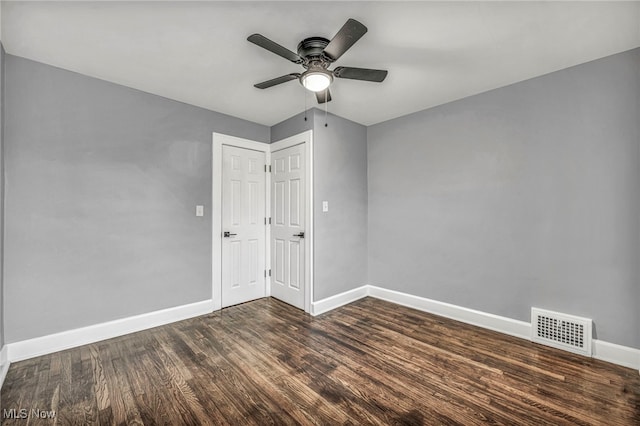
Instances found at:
x=307 y=139
x=219 y=140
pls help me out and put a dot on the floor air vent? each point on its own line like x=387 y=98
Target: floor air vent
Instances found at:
x=561 y=331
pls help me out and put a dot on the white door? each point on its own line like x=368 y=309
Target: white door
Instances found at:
x=288 y=225
x=243 y=225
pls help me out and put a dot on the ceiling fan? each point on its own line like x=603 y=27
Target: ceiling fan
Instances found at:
x=316 y=54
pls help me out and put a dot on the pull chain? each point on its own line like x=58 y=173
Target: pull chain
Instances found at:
x=326 y=106
x=304 y=93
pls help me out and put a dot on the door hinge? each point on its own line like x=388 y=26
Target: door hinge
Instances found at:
x=267 y=168
x=265 y=221
x=265 y=273
x=269 y=272
x=269 y=221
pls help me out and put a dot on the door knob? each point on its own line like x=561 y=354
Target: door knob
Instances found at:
x=227 y=234
x=301 y=235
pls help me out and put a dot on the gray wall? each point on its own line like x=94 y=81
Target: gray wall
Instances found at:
x=340 y=177
x=522 y=196
x=293 y=126
x=2 y=53
x=101 y=187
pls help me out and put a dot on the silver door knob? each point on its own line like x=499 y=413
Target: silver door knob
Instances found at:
x=227 y=234
x=301 y=235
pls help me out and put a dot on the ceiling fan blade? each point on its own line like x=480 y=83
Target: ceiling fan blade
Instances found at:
x=275 y=81
x=324 y=96
x=350 y=32
x=274 y=47
x=365 y=74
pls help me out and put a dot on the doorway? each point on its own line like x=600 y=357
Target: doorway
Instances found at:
x=238 y=274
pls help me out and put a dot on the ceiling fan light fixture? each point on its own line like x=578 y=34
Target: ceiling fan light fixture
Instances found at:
x=316 y=55
x=316 y=80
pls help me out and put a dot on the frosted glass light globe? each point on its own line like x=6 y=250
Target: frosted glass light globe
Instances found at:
x=316 y=81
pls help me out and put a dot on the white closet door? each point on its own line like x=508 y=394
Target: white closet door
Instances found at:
x=288 y=225
x=243 y=225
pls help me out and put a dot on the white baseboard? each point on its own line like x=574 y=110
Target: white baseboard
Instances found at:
x=605 y=351
x=82 y=336
x=4 y=364
x=493 y=322
x=12 y=352
x=616 y=354
x=333 y=302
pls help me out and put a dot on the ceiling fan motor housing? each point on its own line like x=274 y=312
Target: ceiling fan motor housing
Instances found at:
x=311 y=50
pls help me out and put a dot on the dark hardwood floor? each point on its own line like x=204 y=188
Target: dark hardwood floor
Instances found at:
x=370 y=362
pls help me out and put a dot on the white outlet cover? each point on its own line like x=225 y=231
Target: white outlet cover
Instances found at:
x=199 y=210
x=325 y=206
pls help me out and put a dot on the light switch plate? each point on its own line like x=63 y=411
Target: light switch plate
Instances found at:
x=199 y=210
x=325 y=206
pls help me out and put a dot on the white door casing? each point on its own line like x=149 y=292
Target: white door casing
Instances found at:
x=243 y=225
x=288 y=225
x=216 y=208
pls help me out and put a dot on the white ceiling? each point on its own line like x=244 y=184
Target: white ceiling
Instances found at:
x=436 y=52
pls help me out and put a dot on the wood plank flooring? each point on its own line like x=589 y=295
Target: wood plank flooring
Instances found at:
x=370 y=362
